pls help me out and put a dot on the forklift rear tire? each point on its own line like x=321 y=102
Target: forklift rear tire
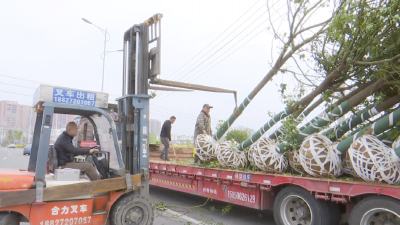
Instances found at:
x=295 y=205
x=132 y=209
x=8 y=219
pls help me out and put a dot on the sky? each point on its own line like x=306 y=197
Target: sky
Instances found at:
x=223 y=43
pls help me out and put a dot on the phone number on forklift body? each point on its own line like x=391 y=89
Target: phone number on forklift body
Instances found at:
x=74 y=97
x=67 y=221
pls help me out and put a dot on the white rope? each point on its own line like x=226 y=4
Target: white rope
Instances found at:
x=347 y=167
x=318 y=157
x=205 y=147
x=229 y=156
x=396 y=143
x=294 y=162
x=391 y=115
x=264 y=155
x=248 y=99
x=372 y=160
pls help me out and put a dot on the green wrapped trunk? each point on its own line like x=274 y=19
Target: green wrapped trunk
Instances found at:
x=385 y=137
x=378 y=127
x=264 y=129
x=322 y=120
x=360 y=117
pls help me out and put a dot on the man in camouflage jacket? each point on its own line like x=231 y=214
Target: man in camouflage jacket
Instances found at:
x=203 y=125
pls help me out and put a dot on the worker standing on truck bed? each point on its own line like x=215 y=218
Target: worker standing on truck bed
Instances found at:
x=165 y=137
x=203 y=126
x=66 y=152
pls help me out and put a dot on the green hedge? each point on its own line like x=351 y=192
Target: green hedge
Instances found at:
x=20 y=146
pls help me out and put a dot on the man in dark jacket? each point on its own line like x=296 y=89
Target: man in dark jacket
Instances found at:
x=66 y=152
x=165 y=137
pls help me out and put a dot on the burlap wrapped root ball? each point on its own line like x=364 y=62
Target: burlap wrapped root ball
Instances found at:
x=229 y=156
x=372 y=160
x=205 y=147
x=250 y=154
x=319 y=158
x=266 y=157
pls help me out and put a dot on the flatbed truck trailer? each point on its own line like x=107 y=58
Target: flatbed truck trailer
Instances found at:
x=328 y=201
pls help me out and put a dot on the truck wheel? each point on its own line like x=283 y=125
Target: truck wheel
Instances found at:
x=334 y=210
x=295 y=206
x=8 y=219
x=377 y=210
x=132 y=210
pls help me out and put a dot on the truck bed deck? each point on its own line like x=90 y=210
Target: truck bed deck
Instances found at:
x=255 y=189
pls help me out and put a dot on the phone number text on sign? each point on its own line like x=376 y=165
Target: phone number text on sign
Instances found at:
x=74 y=97
x=67 y=221
x=242 y=196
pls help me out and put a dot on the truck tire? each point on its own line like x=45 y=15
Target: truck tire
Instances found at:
x=8 y=219
x=295 y=206
x=132 y=209
x=334 y=210
x=377 y=210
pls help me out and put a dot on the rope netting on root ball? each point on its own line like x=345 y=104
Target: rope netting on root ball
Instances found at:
x=294 y=162
x=372 y=160
x=266 y=157
x=319 y=158
x=206 y=147
x=229 y=156
x=254 y=148
x=347 y=167
x=250 y=154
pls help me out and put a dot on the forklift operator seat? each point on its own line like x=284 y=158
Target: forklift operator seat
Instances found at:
x=53 y=159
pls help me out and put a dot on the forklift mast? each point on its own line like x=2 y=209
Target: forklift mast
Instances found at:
x=139 y=65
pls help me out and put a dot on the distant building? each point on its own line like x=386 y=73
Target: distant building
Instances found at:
x=55 y=133
x=14 y=116
x=155 y=127
x=176 y=139
x=60 y=121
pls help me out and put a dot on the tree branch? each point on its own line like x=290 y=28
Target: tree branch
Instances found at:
x=362 y=63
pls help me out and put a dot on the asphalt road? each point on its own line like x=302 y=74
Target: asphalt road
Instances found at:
x=182 y=208
x=13 y=158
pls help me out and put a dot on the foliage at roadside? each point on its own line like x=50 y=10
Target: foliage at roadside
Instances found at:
x=237 y=135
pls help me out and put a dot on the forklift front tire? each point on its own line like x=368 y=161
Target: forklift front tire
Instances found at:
x=132 y=209
x=8 y=219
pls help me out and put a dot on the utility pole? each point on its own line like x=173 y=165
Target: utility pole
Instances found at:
x=30 y=127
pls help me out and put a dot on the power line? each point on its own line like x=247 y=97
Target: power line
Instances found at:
x=19 y=78
x=162 y=97
x=15 y=93
x=214 y=39
x=180 y=77
x=230 y=40
x=227 y=55
x=17 y=85
x=166 y=93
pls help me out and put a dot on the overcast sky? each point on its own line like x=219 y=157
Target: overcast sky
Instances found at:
x=47 y=42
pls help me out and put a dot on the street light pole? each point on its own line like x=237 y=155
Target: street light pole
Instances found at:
x=104 y=51
x=104 y=60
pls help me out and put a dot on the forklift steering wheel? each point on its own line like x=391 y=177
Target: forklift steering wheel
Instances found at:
x=96 y=146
